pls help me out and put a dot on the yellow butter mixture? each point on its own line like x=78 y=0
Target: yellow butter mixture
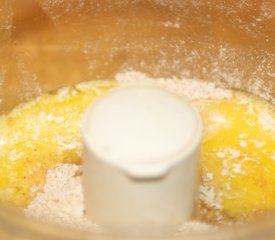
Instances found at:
x=238 y=157
x=38 y=135
x=237 y=167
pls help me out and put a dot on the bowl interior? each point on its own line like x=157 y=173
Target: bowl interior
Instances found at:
x=48 y=44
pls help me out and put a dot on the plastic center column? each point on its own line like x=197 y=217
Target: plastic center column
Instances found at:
x=141 y=150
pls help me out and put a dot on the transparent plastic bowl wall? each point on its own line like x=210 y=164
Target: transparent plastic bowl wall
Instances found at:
x=47 y=44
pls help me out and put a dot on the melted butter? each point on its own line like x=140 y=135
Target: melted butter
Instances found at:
x=38 y=135
x=238 y=157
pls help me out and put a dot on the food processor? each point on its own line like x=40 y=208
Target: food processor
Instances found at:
x=45 y=45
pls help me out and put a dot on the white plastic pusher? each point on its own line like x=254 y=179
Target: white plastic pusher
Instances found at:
x=141 y=148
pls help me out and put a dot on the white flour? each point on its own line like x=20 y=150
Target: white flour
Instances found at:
x=190 y=88
x=61 y=201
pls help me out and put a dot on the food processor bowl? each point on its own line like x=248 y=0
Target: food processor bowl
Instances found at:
x=48 y=44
